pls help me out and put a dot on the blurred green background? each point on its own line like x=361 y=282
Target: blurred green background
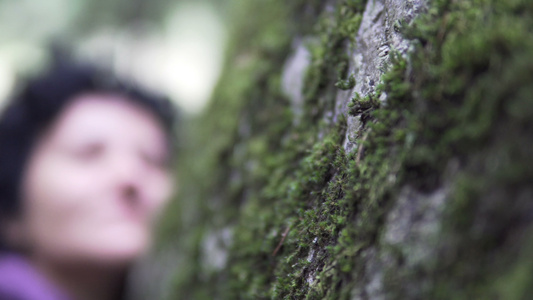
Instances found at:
x=175 y=47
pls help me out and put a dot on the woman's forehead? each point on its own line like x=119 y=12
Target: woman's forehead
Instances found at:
x=107 y=116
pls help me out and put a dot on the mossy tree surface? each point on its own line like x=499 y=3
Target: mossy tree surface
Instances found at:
x=446 y=137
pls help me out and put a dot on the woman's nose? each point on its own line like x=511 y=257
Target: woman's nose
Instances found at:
x=129 y=173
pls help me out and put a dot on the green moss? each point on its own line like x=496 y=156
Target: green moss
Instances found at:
x=468 y=67
x=334 y=32
x=304 y=212
x=346 y=84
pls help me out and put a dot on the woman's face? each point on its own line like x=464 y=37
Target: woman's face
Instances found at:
x=95 y=183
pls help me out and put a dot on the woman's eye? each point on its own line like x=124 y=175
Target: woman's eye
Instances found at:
x=87 y=152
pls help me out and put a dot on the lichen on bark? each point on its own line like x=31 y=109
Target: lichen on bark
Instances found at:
x=401 y=170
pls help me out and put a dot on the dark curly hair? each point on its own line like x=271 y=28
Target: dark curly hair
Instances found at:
x=40 y=101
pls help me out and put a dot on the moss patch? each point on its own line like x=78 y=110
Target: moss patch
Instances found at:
x=305 y=214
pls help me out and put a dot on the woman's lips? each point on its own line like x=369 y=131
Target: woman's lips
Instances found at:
x=132 y=209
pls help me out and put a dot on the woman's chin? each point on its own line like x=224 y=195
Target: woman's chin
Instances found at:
x=118 y=252
x=122 y=246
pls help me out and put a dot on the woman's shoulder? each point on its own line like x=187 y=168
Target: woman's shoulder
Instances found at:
x=20 y=281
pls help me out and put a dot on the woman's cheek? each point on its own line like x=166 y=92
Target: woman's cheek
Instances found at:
x=161 y=188
x=56 y=190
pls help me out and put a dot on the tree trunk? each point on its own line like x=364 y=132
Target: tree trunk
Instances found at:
x=361 y=150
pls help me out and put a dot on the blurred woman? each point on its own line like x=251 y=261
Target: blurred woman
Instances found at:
x=84 y=172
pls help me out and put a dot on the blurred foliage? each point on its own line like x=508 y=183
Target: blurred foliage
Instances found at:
x=27 y=19
x=159 y=42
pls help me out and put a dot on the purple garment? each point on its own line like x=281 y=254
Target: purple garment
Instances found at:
x=20 y=281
